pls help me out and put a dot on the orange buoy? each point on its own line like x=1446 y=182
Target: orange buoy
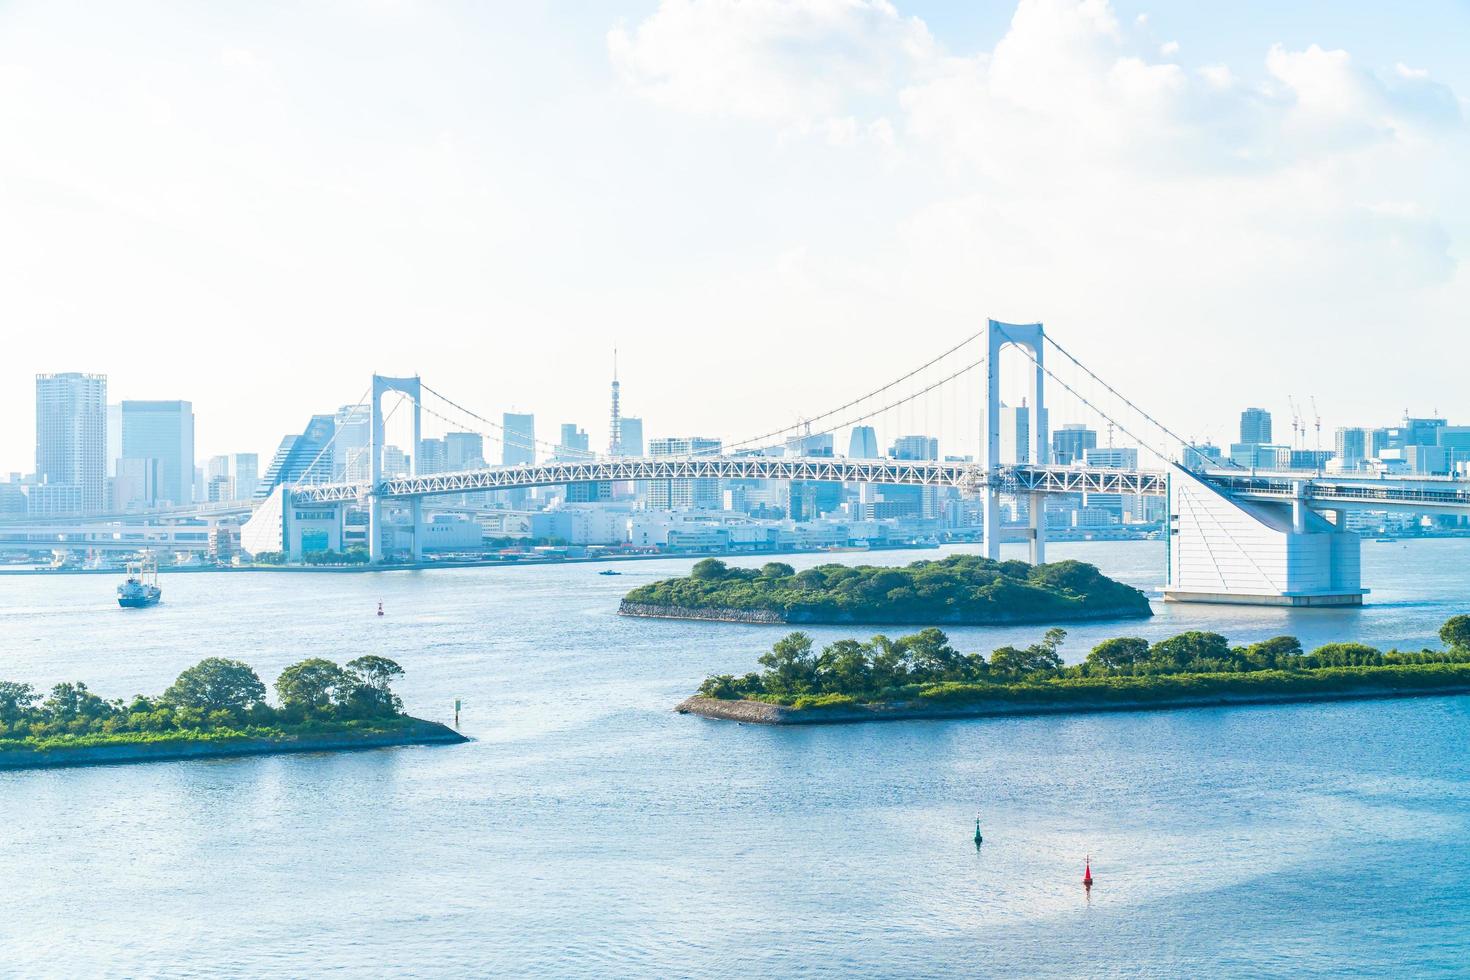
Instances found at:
x=1087 y=872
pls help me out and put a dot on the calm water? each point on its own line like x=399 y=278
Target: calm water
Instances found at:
x=590 y=831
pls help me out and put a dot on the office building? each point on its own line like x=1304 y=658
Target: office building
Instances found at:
x=301 y=458
x=1015 y=433
x=574 y=445
x=71 y=441
x=1070 y=442
x=162 y=430
x=1352 y=446
x=702 y=494
x=1115 y=458
x=632 y=436
x=245 y=468
x=433 y=456
x=351 y=449
x=463 y=451
x=1255 y=427
x=862 y=443
x=518 y=444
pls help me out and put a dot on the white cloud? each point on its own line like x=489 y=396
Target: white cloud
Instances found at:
x=1083 y=180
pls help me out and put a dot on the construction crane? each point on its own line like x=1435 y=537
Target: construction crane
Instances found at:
x=1296 y=423
x=1317 y=421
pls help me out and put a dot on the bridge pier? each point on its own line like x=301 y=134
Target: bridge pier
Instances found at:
x=416 y=510
x=375 y=528
x=1260 y=553
x=1037 y=536
x=991 y=527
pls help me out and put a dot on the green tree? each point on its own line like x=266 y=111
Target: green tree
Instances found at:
x=843 y=667
x=1188 y=648
x=1455 y=633
x=71 y=701
x=374 y=694
x=1119 y=652
x=777 y=569
x=313 y=686
x=932 y=658
x=1268 y=654
x=709 y=568
x=790 y=666
x=216 y=684
x=17 y=701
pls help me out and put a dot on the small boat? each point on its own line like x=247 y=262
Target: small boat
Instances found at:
x=141 y=588
x=608 y=571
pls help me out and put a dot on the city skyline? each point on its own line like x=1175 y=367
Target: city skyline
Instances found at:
x=1336 y=140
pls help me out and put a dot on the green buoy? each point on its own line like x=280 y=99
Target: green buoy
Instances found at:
x=978 y=838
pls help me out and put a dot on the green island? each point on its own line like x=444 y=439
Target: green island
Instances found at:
x=958 y=590
x=217 y=707
x=923 y=676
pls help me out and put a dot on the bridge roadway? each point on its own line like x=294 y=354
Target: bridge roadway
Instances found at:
x=1409 y=494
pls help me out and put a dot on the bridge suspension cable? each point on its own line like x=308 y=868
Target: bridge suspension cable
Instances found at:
x=336 y=430
x=1185 y=444
x=856 y=401
x=517 y=441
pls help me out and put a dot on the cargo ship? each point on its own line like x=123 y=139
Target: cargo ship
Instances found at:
x=141 y=588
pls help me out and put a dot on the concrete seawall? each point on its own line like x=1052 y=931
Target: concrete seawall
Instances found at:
x=648 y=610
x=420 y=732
x=761 y=713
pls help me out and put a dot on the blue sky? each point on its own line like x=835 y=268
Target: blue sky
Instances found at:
x=766 y=206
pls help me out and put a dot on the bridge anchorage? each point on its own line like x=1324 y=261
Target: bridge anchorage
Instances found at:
x=1234 y=535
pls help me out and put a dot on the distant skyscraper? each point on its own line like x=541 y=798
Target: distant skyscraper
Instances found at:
x=1069 y=443
x=519 y=439
x=1255 y=427
x=351 y=454
x=632 y=441
x=301 y=459
x=71 y=441
x=245 y=468
x=684 y=494
x=114 y=437
x=907 y=501
x=162 y=430
x=433 y=456
x=575 y=445
x=862 y=443
x=914 y=447
x=1015 y=433
x=1111 y=458
x=1352 y=447
x=807 y=500
x=463 y=451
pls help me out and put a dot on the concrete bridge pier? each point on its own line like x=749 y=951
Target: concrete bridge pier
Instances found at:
x=416 y=509
x=1037 y=536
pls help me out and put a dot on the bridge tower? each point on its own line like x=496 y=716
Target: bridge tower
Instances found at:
x=996 y=336
x=381 y=386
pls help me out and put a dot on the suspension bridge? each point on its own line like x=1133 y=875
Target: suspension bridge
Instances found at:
x=1234 y=534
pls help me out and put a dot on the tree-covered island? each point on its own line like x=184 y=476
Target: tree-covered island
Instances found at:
x=958 y=590
x=924 y=676
x=217 y=707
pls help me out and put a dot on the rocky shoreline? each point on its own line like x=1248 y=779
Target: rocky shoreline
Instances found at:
x=647 y=610
x=762 y=713
x=418 y=732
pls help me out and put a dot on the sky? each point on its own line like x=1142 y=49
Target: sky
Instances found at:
x=766 y=207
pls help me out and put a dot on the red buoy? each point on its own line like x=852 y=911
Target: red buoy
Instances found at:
x=1087 y=872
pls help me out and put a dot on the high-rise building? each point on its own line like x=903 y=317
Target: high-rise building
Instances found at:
x=907 y=501
x=1255 y=427
x=632 y=441
x=114 y=437
x=305 y=458
x=1015 y=433
x=433 y=456
x=1070 y=442
x=162 y=430
x=703 y=494
x=245 y=468
x=807 y=500
x=574 y=446
x=71 y=441
x=351 y=449
x=135 y=485
x=519 y=442
x=862 y=443
x=1351 y=446
x=464 y=451
x=396 y=462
